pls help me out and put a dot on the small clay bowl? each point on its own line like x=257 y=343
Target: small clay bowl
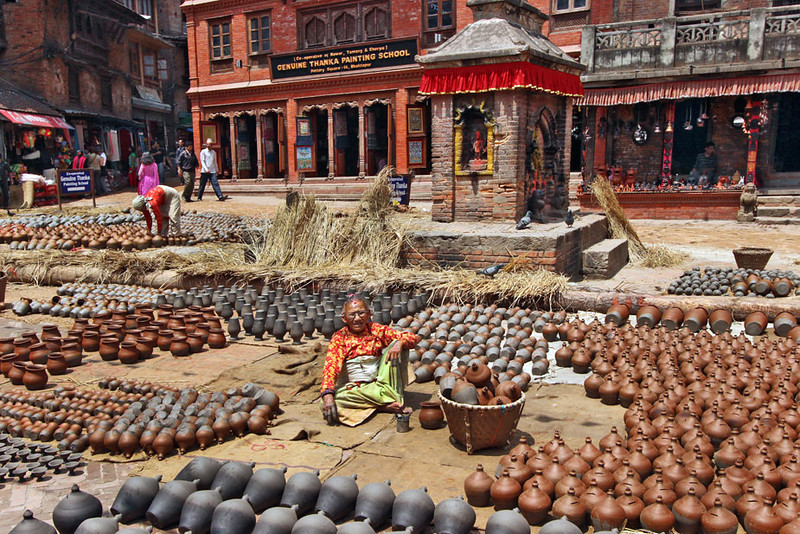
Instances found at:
x=55 y=465
x=5 y=458
x=20 y=472
x=71 y=467
x=46 y=459
x=11 y=466
x=33 y=457
x=3 y=473
x=64 y=454
x=38 y=472
x=50 y=449
x=75 y=457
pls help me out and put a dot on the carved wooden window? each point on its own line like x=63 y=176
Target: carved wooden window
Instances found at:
x=260 y=34
x=149 y=65
x=74 y=85
x=684 y=6
x=563 y=6
x=315 y=32
x=134 y=62
x=220 y=40
x=376 y=23
x=344 y=28
x=439 y=14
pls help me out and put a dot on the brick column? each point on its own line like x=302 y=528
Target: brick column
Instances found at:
x=234 y=150
x=599 y=141
x=259 y=147
x=442 y=166
x=331 y=140
x=401 y=130
x=197 y=117
x=362 y=143
x=291 y=139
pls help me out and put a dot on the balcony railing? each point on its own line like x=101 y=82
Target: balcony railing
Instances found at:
x=735 y=40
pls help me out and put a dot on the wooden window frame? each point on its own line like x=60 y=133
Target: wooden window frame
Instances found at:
x=162 y=69
x=690 y=10
x=439 y=27
x=220 y=23
x=145 y=55
x=352 y=13
x=358 y=10
x=134 y=59
x=369 y=8
x=571 y=8
x=258 y=16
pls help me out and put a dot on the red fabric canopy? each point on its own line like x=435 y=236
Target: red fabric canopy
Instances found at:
x=499 y=77
x=32 y=119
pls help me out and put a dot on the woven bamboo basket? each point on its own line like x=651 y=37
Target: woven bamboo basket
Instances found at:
x=752 y=257
x=481 y=427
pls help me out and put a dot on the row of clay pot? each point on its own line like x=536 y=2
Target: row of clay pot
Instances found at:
x=225 y=498
x=31 y=459
x=739 y=282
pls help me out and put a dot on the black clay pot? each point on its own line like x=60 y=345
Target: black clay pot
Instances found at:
x=328 y=328
x=413 y=508
x=31 y=525
x=337 y=497
x=234 y=327
x=136 y=530
x=302 y=489
x=202 y=469
x=453 y=516
x=276 y=520
x=279 y=330
x=165 y=511
x=560 y=526
x=198 y=510
x=507 y=522
x=134 y=498
x=99 y=525
x=357 y=527
x=375 y=503
x=247 y=323
x=232 y=479
x=73 y=509
x=234 y=516
x=265 y=488
x=314 y=524
x=258 y=330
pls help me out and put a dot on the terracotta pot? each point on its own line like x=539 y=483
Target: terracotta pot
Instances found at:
x=696 y=319
x=617 y=314
x=128 y=354
x=109 y=348
x=56 y=364
x=719 y=520
x=35 y=377
x=477 y=487
x=72 y=354
x=755 y=323
x=505 y=491
x=179 y=346
x=144 y=346
x=657 y=517
x=38 y=353
x=7 y=361
x=672 y=318
x=431 y=416
x=534 y=504
x=164 y=339
x=720 y=321
x=195 y=342
x=608 y=514
x=90 y=341
x=16 y=372
x=216 y=338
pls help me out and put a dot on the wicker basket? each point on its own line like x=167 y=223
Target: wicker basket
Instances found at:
x=752 y=257
x=481 y=427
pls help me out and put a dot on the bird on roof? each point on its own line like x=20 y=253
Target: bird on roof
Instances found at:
x=492 y=270
x=525 y=220
x=569 y=218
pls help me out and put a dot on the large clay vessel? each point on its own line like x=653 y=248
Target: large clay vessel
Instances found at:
x=202 y=469
x=507 y=522
x=607 y=514
x=337 y=497
x=374 y=502
x=232 y=479
x=477 y=487
x=314 y=524
x=412 y=508
x=99 y=525
x=657 y=517
x=73 y=509
x=534 y=504
x=276 y=520
x=302 y=489
x=31 y=525
x=233 y=516
x=687 y=511
x=134 y=498
x=198 y=510
x=357 y=527
x=265 y=487
x=560 y=526
x=453 y=516
x=165 y=510
x=719 y=520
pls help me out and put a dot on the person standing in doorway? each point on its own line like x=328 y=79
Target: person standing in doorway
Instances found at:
x=187 y=166
x=208 y=171
x=158 y=157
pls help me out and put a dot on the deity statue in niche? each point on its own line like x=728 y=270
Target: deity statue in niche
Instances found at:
x=474 y=147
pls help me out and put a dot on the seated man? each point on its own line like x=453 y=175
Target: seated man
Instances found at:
x=370 y=355
x=165 y=202
x=704 y=172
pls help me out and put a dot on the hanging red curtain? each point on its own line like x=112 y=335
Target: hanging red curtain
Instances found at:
x=499 y=77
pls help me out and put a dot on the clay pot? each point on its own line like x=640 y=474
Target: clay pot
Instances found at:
x=477 y=487
x=431 y=416
x=276 y=520
x=31 y=525
x=506 y=522
x=202 y=469
x=134 y=498
x=72 y=354
x=687 y=511
x=165 y=510
x=672 y=318
x=38 y=353
x=35 y=377
x=657 y=517
x=198 y=510
x=783 y=323
x=128 y=353
x=617 y=314
x=720 y=321
x=163 y=444
x=762 y=520
x=607 y=514
x=195 y=341
x=755 y=323
x=73 y=509
x=719 y=520
x=144 y=347
x=337 y=497
x=234 y=516
x=412 y=508
x=478 y=374
x=572 y=508
x=265 y=487
x=216 y=339
x=505 y=491
x=302 y=490
x=179 y=346
x=454 y=516
x=56 y=364
x=205 y=437
x=648 y=315
x=90 y=341
x=109 y=348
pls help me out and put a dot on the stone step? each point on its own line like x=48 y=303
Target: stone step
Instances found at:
x=770 y=221
x=778 y=200
x=605 y=259
x=778 y=211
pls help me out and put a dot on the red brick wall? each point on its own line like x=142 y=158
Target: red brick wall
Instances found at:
x=25 y=22
x=684 y=205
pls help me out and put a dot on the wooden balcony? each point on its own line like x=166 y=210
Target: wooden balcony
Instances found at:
x=712 y=43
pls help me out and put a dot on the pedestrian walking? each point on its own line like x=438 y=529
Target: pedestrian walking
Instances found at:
x=208 y=171
x=187 y=166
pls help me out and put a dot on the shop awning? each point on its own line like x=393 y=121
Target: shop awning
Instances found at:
x=32 y=119
x=612 y=96
x=499 y=77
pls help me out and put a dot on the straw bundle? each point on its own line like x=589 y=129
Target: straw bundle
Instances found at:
x=621 y=228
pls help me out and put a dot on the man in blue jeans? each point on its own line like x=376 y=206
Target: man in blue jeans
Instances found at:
x=208 y=170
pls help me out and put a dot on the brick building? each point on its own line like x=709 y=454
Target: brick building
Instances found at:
x=312 y=91
x=115 y=70
x=666 y=76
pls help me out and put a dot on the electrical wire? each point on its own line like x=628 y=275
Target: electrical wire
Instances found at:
x=15 y=60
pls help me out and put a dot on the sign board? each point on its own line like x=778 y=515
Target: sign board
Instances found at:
x=400 y=184
x=76 y=182
x=344 y=59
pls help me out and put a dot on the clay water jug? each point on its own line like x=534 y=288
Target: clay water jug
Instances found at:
x=265 y=487
x=232 y=478
x=35 y=377
x=165 y=511
x=337 y=497
x=431 y=416
x=73 y=509
x=302 y=489
x=134 y=498
x=412 y=508
x=453 y=516
x=233 y=516
x=375 y=502
x=202 y=469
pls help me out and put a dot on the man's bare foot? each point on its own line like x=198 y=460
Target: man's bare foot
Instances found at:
x=395 y=407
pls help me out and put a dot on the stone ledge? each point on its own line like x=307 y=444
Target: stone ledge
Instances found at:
x=605 y=259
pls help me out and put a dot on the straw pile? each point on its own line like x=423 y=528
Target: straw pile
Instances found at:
x=621 y=228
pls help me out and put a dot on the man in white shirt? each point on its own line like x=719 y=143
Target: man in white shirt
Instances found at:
x=208 y=170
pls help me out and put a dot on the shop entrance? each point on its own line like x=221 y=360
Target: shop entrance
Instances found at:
x=246 y=151
x=345 y=133
x=787 y=138
x=376 y=122
x=691 y=134
x=319 y=125
x=270 y=143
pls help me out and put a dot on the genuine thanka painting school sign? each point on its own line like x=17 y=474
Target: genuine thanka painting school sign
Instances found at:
x=344 y=59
